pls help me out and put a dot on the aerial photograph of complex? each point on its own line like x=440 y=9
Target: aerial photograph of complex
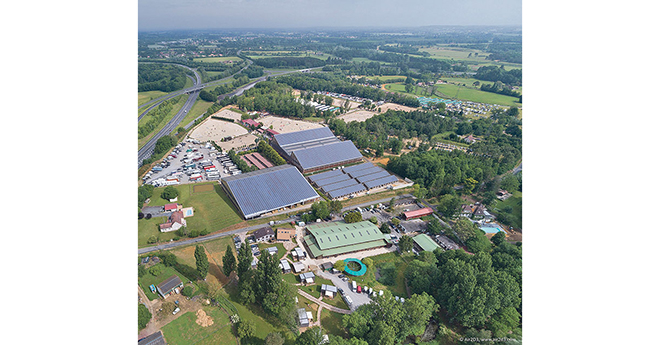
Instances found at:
x=347 y=172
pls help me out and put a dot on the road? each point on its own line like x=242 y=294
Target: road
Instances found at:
x=517 y=169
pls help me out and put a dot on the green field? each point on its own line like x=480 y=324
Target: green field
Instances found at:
x=285 y=53
x=146 y=96
x=400 y=261
x=181 y=101
x=445 y=52
x=198 y=108
x=453 y=91
x=213 y=211
x=218 y=59
x=149 y=279
x=515 y=201
x=281 y=252
x=184 y=330
x=331 y=323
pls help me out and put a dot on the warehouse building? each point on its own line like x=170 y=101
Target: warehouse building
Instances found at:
x=358 y=178
x=267 y=190
x=422 y=243
x=315 y=149
x=427 y=211
x=331 y=239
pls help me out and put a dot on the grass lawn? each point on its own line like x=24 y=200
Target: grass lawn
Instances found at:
x=198 y=108
x=515 y=201
x=184 y=330
x=460 y=92
x=401 y=262
x=291 y=278
x=331 y=323
x=213 y=211
x=177 y=106
x=149 y=279
x=146 y=96
x=149 y=227
x=218 y=59
x=438 y=138
x=281 y=251
x=336 y=301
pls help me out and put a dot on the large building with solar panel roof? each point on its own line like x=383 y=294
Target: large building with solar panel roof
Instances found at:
x=354 y=179
x=337 y=238
x=316 y=149
x=267 y=190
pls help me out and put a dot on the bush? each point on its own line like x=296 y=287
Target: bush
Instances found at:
x=144 y=316
x=353 y=217
x=156 y=270
x=142 y=271
x=193 y=233
x=148 y=216
x=187 y=291
x=152 y=239
x=140 y=215
x=204 y=232
x=169 y=193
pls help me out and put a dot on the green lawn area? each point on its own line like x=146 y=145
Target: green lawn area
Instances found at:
x=444 y=52
x=213 y=211
x=179 y=104
x=146 y=96
x=336 y=301
x=218 y=59
x=462 y=93
x=149 y=279
x=198 y=108
x=401 y=262
x=184 y=330
x=281 y=252
x=515 y=201
x=291 y=278
x=331 y=323
x=439 y=138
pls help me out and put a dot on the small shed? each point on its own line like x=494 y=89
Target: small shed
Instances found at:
x=298 y=267
x=307 y=278
x=272 y=250
x=169 y=285
x=284 y=265
x=326 y=266
x=328 y=290
x=302 y=318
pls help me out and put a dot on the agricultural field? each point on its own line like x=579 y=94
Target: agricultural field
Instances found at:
x=213 y=211
x=218 y=59
x=181 y=101
x=285 y=53
x=185 y=330
x=146 y=96
x=445 y=52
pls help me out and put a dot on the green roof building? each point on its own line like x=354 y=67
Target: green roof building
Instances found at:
x=330 y=239
x=425 y=243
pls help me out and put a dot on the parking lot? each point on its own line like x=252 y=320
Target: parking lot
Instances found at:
x=191 y=161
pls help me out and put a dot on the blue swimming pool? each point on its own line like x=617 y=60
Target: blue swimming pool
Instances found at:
x=491 y=228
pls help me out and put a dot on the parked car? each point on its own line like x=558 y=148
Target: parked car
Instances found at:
x=342 y=276
x=176 y=311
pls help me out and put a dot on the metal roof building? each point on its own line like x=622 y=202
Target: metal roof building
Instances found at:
x=425 y=243
x=355 y=168
x=168 y=285
x=324 y=175
x=329 y=239
x=380 y=182
x=339 y=185
x=342 y=192
x=286 y=139
x=334 y=179
x=379 y=174
x=153 y=339
x=326 y=156
x=266 y=190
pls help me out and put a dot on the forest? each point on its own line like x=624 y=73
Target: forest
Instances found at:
x=160 y=77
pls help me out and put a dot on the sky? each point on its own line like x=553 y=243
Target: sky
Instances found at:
x=218 y=14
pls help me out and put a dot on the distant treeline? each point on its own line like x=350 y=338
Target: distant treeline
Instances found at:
x=499 y=88
x=494 y=73
x=156 y=117
x=160 y=77
x=290 y=62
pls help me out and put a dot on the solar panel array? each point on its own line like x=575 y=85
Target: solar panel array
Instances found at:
x=326 y=155
x=370 y=177
x=346 y=191
x=332 y=173
x=307 y=145
x=303 y=136
x=331 y=180
x=380 y=182
x=358 y=167
x=265 y=190
x=339 y=185
x=364 y=172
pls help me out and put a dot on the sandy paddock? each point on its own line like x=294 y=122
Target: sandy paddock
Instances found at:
x=359 y=116
x=283 y=125
x=238 y=142
x=387 y=106
x=228 y=114
x=215 y=130
x=338 y=102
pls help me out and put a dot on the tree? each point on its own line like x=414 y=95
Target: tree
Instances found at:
x=478 y=243
x=384 y=228
x=390 y=207
x=353 y=217
x=396 y=221
x=422 y=307
x=201 y=261
x=510 y=183
x=312 y=336
x=498 y=238
x=374 y=220
x=434 y=227
x=469 y=184
x=335 y=206
x=465 y=229
x=246 y=329
x=419 y=192
x=188 y=291
x=369 y=262
x=274 y=339
x=320 y=210
x=409 y=88
x=448 y=205
x=156 y=270
x=142 y=271
x=228 y=261
x=339 y=265
x=169 y=193
x=144 y=316
x=406 y=243
x=244 y=260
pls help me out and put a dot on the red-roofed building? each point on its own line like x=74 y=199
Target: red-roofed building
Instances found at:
x=171 y=207
x=250 y=122
x=418 y=213
x=272 y=132
x=175 y=222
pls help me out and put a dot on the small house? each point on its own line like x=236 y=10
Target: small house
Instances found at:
x=285 y=234
x=284 y=265
x=328 y=290
x=298 y=267
x=169 y=286
x=326 y=266
x=298 y=254
x=272 y=250
x=175 y=222
x=307 y=278
x=303 y=321
x=171 y=207
x=264 y=234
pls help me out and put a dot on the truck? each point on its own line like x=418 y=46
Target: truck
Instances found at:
x=348 y=300
x=171 y=182
x=157 y=168
x=354 y=285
